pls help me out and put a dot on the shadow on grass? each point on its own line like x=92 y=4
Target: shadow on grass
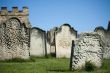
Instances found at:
x=31 y=59
x=70 y=71
x=59 y=70
x=18 y=60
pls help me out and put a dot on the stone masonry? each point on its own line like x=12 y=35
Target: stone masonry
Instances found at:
x=19 y=40
x=105 y=36
x=88 y=48
x=14 y=33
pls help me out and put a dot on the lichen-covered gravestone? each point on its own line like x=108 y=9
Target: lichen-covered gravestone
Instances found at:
x=88 y=48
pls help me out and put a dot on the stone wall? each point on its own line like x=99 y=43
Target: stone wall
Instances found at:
x=38 y=42
x=14 y=34
x=88 y=48
x=105 y=36
x=63 y=40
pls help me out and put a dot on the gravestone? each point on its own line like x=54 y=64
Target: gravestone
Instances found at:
x=38 y=42
x=51 y=40
x=48 y=48
x=105 y=36
x=107 y=46
x=63 y=40
x=14 y=34
x=88 y=48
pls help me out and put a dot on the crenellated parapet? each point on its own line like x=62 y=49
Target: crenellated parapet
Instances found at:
x=15 y=11
x=21 y=15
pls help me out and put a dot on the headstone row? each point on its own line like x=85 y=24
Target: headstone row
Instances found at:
x=19 y=40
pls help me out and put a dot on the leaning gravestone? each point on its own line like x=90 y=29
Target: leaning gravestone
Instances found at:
x=88 y=48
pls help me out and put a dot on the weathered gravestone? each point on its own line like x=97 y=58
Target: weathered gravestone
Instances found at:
x=88 y=48
x=51 y=41
x=38 y=42
x=105 y=36
x=48 y=47
x=63 y=40
x=14 y=34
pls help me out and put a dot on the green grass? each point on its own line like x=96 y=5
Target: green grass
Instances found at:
x=49 y=65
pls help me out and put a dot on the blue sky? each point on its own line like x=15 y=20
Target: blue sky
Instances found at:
x=83 y=15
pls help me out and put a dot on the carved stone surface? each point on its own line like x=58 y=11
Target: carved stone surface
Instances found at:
x=63 y=40
x=88 y=48
x=38 y=42
x=14 y=39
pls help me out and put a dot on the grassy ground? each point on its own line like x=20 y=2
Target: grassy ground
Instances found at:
x=43 y=65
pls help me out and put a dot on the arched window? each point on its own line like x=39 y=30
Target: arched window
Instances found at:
x=12 y=33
